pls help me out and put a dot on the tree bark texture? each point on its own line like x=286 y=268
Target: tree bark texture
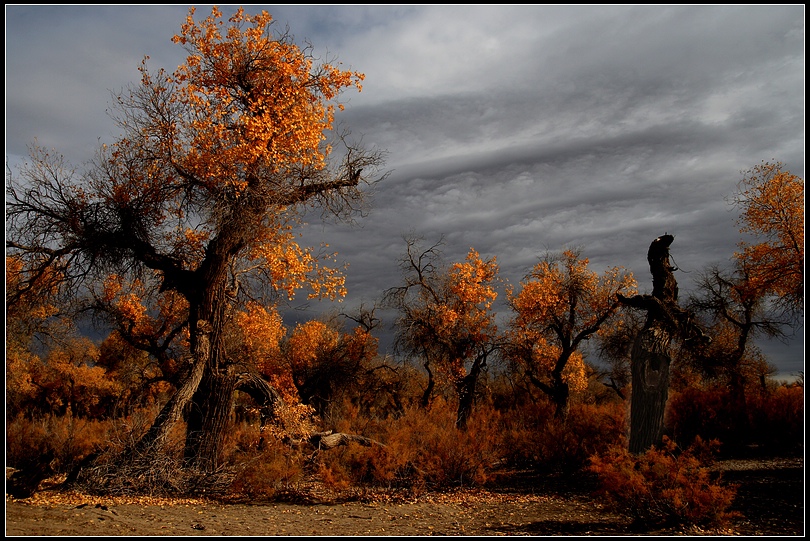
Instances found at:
x=172 y=412
x=466 y=393
x=650 y=380
x=208 y=419
x=650 y=357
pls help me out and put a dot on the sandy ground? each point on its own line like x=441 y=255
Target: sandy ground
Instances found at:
x=771 y=496
x=474 y=514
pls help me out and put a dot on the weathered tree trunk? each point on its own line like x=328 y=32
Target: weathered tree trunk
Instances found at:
x=650 y=377
x=650 y=358
x=208 y=420
x=208 y=417
x=172 y=412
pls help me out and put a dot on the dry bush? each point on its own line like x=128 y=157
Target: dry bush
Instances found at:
x=66 y=439
x=665 y=487
x=777 y=419
x=440 y=454
x=588 y=430
x=278 y=468
x=520 y=431
x=263 y=465
x=119 y=470
x=773 y=418
x=422 y=449
x=533 y=438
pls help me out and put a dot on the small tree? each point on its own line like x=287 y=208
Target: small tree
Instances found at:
x=447 y=319
x=772 y=204
x=562 y=304
x=737 y=310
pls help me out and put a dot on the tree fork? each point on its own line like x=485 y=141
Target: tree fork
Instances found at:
x=172 y=412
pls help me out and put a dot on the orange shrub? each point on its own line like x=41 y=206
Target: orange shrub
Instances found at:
x=66 y=438
x=422 y=448
x=589 y=429
x=664 y=487
x=263 y=464
x=531 y=437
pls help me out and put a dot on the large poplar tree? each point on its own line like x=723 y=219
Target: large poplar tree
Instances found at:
x=200 y=196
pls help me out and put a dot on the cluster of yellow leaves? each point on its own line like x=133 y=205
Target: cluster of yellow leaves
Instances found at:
x=261 y=330
x=544 y=358
x=126 y=299
x=254 y=100
x=308 y=340
x=291 y=267
x=294 y=420
x=772 y=202
x=471 y=281
x=465 y=319
x=361 y=344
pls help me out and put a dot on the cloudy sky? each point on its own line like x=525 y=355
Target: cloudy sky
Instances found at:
x=511 y=129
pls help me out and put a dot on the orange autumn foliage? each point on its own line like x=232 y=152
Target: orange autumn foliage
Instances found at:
x=191 y=212
x=271 y=118
x=772 y=203
x=325 y=361
x=138 y=312
x=238 y=130
x=561 y=304
x=451 y=314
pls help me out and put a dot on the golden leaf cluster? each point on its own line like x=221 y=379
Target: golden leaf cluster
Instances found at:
x=561 y=303
x=253 y=100
x=772 y=202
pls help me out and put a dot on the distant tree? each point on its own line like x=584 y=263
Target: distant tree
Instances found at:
x=562 y=304
x=736 y=308
x=772 y=204
x=50 y=369
x=446 y=319
x=200 y=197
x=328 y=363
x=36 y=314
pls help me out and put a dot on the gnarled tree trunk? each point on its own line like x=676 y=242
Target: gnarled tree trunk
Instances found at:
x=172 y=412
x=650 y=379
x=650 y=357
x=208 y=419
